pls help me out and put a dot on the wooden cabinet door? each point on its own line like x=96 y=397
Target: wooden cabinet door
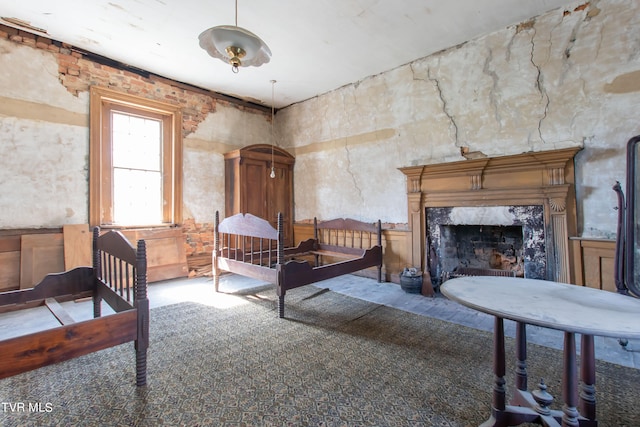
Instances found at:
x=279 y=200
x=255 y=193
x=250 y=189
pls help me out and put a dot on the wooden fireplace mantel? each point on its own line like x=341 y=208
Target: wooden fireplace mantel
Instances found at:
x=536 y=178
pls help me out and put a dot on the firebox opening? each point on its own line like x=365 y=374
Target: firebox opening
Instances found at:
x=485 y=237
x=486 y=247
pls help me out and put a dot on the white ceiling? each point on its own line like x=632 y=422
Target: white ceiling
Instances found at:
x=317 y=45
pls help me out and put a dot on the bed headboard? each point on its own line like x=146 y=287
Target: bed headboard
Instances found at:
x=248 y=238
x=347 y=232
x=248 y=225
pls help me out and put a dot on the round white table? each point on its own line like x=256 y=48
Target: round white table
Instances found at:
x=569 y=308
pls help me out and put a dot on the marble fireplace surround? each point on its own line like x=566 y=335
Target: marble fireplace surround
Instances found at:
x=543 y=178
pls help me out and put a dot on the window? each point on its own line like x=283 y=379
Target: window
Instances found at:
x=135 y=170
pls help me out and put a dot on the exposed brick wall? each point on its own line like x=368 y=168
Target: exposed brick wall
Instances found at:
x=78 y=70
x=198 y=238
x=77 y=73
x=198 y=247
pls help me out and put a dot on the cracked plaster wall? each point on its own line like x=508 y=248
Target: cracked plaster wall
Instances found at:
x=563 y=79
x=40 y=157
x=203 y=179
x=44 y=137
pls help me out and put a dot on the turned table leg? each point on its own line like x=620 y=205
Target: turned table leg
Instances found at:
x=570 y=382
x=588 y=377
x=499 y=391
x=521 y=356
x=499 y=368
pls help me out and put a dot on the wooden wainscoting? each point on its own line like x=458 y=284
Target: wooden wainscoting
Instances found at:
x=9 y=262
x=166 y=255
x=27 y=255
x=594 y=263
x=24 y=261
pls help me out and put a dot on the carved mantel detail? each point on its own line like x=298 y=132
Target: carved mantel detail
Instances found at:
x=538 y=178
x=558 y=205
x=476 y=182
x=556 y=175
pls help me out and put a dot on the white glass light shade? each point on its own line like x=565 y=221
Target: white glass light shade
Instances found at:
x=217 y=40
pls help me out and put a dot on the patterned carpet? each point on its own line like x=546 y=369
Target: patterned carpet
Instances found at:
x=335 y=361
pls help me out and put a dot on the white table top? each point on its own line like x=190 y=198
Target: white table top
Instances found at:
x=549 y=304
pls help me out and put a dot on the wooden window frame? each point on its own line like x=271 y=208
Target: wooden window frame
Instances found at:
x=100 y=176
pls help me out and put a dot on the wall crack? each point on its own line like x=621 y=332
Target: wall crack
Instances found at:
x=348 y=152
x=494 y=87
x=539 y=85
x=445 y=105
x=350 y=171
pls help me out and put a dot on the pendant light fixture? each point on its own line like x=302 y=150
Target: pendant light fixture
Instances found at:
x=235 y=45
x=273 y=140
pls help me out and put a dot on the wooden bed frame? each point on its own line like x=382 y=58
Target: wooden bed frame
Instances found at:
x=118 y=277
x=249 y=246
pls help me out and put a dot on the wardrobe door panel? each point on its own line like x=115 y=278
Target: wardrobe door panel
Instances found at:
x=254 y=188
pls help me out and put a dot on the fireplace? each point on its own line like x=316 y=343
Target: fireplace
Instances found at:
x=506 y=238
x=531 y=195
x=480 y=247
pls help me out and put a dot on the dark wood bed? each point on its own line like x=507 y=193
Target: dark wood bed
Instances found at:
x=118 y=277
x=247 y=245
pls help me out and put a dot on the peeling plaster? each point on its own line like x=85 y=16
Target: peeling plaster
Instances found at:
x=534 y=86
x=392 y=120
x=544 y=79
x=364 y=138
x=624 y=83
x=35 y=111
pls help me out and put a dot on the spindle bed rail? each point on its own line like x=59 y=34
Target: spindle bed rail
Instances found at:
x=247 y=245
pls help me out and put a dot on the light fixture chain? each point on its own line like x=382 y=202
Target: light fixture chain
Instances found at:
x=273 y=139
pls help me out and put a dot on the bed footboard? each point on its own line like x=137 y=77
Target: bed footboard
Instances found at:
x=247 y=245
x=121 y=281
x=118 y=277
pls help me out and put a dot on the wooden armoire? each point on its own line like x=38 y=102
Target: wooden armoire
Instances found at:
x=250 y=189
